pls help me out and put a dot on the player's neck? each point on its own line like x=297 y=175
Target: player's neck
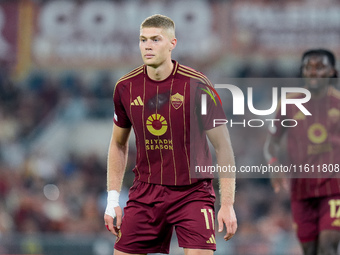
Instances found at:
x=161 y=72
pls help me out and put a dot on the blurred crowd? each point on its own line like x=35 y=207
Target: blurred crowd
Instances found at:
x=41 y=195
x=25 y=109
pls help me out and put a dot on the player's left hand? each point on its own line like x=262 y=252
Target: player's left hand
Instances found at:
x=226 y=215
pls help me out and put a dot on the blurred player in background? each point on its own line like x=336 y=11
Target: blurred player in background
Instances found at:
x=314 y=142
x=154 y=100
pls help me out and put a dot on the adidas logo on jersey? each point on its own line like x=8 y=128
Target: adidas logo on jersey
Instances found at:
x=212 y=239
x=137 y=102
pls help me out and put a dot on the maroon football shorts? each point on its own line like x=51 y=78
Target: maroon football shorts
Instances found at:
x=153 y=210
x=313 y=215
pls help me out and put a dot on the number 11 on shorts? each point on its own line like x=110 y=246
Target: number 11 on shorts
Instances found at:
x=206 y=217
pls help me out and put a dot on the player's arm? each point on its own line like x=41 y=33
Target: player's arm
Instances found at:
x=220 y=139
x=271 y=155
x=116 y=164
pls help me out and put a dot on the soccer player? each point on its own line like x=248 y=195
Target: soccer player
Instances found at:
x=313 y=143
x=158 y=100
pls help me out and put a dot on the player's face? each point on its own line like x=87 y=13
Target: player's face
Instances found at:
x=316 y=70
x=155 y=45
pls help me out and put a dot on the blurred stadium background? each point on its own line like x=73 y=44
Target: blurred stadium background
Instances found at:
x=59 y=61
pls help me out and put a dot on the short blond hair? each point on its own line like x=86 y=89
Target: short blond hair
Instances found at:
x=160 y=21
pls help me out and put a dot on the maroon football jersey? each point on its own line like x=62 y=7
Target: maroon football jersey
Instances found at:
x=314 y=141
x=168 y=126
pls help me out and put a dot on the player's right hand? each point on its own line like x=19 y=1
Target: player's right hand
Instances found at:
x=110 y=214
x=112 y=211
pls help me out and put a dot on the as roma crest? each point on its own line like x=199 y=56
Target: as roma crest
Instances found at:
x=177 y=100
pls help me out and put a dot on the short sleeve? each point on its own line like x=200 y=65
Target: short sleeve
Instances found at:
x=121 y=118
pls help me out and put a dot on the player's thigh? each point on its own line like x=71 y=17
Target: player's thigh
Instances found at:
x=198 y=252
x=306 y=217
x=194 y=218
x=196 y=227
x=144 y=228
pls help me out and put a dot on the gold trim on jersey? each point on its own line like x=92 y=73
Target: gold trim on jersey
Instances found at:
x=137 y=172
x=175 y=69
x=170 y=128
x=160 y=149
x=185 y=136
x=131 y=74
x=191 y=73
x=133 y=124
x=143 y=123
x=186 y=71
x=127 y=76
x=192 y=76
x=130 y=109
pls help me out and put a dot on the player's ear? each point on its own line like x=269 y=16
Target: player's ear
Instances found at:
x=173 y=43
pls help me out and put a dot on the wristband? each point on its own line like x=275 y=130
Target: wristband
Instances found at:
x=112 y=202
x=272 y=160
